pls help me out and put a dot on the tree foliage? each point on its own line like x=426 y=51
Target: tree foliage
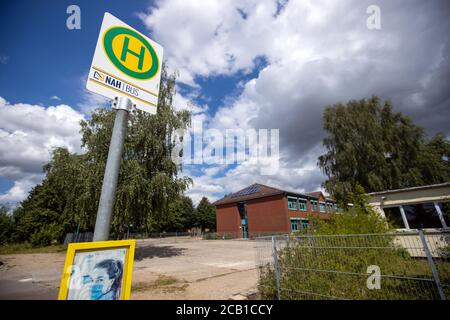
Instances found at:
x=333 y=260
x=6 y=225
x=180 y=215
x=360 y=218
x=148 y=184
x=369 y=144
x=206 y=213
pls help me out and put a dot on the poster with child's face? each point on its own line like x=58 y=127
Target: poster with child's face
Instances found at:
x=97 y=275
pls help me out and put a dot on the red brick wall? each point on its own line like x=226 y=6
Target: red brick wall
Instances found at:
x=309 y=211
x=228 y=219
x=268 y=215
x=265 y=215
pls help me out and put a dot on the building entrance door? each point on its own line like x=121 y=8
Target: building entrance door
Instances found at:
x=244 y=221
x=244 y=232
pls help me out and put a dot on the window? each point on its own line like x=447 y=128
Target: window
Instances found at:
x=242 y=210
x=330 y=207
x=302 y=204
x=304 y=224
x=322 y=207
x=394 y=216
x=314 y=205
x=292 y=203
x=422 y=215
x=294 y=225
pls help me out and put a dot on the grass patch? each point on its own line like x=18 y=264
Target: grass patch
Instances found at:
x=166 y=283
x=217 y=236
x=322 y=267
x=24 y=248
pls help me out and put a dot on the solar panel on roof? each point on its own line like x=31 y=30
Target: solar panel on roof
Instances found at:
x=247 y=191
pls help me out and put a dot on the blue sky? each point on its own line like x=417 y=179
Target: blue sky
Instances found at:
x=47 y=58
x=241 y=64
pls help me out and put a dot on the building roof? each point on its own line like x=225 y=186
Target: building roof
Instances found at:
x=258 y=190
x=315 y=194
x=430 y=186
x=254 y=191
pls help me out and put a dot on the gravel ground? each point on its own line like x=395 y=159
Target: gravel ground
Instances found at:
x=170 y=268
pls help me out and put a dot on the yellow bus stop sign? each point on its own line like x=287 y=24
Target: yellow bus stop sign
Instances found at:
x=126 y=63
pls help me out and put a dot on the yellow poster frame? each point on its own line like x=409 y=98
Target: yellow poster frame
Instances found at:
x=75 y=248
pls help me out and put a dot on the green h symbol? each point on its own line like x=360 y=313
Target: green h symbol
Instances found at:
x=125 y=51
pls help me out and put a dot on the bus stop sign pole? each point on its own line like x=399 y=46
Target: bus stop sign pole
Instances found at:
x=109 y=186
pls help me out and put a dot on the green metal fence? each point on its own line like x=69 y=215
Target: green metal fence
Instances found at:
x=407 y=265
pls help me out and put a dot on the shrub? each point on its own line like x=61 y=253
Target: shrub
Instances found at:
x=46 y=235
x=217 y=236
x=333 y=261
x=6 y=226
x=336 y=267
x=360 y=218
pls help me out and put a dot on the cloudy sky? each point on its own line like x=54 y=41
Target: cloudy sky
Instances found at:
x=241 y=64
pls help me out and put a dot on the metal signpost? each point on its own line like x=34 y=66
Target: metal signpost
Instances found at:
x=126 y=68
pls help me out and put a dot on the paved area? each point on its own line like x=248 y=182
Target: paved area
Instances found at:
x=16 y=290
x=171 y=268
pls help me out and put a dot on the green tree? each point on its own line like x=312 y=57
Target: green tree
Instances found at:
x=369 y=144
x=6 y=226
x=180 y=215
x=37 y=212
x=189 y=213
x=148 y=179
x=434 y=160
x=206 y=214
x=360 y=218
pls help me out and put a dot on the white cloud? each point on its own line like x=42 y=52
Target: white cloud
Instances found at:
x=181 y=102
x=20 y=190
x=89 y=100
x=208 y=35
x=318 y=53
x=300 y=177
x=55 y=98
x=28 y=134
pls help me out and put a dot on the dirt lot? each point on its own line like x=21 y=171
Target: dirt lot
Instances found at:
x=171 y=268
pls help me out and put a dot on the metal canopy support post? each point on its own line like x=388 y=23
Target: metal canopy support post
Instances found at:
x=441 y=216
x=405 y=220
x=107 y=197
x=437 y=281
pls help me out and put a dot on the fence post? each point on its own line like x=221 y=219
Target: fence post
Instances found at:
x=275 y=264
x=432 y=265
